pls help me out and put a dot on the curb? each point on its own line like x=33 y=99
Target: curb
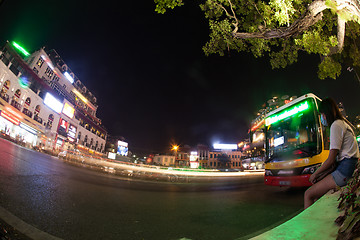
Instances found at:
x=24 y=228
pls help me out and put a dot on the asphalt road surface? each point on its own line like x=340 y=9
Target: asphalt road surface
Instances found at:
x=72 y=202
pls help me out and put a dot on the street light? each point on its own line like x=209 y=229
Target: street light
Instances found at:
x=175 y=148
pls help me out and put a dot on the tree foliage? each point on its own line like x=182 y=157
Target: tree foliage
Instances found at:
x=280 y=29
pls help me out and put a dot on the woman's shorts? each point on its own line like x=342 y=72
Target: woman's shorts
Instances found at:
x=344 y=171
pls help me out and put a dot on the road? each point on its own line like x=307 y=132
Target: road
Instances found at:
x=71 y=202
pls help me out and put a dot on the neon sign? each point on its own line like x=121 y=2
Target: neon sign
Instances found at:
x=10 y=117
x=21 y=49
x=287 y=113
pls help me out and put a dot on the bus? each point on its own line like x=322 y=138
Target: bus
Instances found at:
x=296 y=143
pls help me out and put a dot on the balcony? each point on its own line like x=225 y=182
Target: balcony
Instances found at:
x=38 y=119
x=27 y=112
x=16 y=104
x=4 y=96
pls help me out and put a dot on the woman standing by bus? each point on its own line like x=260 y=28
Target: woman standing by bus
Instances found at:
x=344 y=153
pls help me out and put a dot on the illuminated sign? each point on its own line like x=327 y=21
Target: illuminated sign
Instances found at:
x=112 y=155
x=48 y=62
x=72 y=133
x=77 y=93
x=287 y=113
x=193 y=156
x=123 y=144
x=21 y=49
x=194 y=164
x=63 y=124
x=27 y=128
x=53 y=103
x=122 y=148
x=62 y=129
x=10 y=117
x=225 y=146
x=68 y=110
x=278 y=141
x=24 y=82
x=69 y=77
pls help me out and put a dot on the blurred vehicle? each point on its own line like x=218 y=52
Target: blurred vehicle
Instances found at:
x=62 y=154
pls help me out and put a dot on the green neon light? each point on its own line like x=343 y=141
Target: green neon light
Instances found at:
x=287 y=113
x=358 y=138
x=24 y=82
x=21 y=49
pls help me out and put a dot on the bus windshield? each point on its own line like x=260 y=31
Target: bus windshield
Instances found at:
x=295 y=136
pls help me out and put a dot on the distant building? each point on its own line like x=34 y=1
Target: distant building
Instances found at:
x=45 y=104
x=224 y=159
x=164 y=160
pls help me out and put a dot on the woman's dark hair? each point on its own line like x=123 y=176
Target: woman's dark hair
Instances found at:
x=332 y=112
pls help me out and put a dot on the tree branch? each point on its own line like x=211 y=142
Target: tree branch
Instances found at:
x=309 y=18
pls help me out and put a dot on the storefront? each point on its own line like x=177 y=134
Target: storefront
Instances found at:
x=11 y=126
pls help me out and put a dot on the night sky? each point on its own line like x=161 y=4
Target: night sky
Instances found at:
x=153 y=83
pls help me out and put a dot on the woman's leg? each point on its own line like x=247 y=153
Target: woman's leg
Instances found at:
x=318 y=189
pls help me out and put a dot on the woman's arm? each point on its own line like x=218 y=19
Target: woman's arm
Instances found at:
x=326 y=165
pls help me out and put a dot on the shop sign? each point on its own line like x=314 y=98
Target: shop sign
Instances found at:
x=27 y=128
x=53 y=103
x=63 y=125
x=10 y=117
x=68 y=110
x=71 y=133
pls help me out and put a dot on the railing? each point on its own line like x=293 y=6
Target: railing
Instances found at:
x=5 y=96
x=27 y=112
x=38 y=119
x=16 y=104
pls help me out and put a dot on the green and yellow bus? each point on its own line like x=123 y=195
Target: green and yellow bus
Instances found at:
x=296 y=143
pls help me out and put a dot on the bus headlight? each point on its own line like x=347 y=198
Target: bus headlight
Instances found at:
x=311 y=169
x=268 y=173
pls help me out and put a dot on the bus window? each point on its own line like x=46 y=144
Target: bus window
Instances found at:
x=295 y=136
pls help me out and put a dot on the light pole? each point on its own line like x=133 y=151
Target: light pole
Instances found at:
x=175 y=148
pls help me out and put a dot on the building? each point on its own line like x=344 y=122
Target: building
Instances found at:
x=43 y=103
x=164 y=160
x=224 y=159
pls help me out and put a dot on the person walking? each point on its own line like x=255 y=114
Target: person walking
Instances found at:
x=343 y=156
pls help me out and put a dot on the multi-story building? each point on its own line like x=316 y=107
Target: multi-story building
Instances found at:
x=224 y=159
x=44 y=103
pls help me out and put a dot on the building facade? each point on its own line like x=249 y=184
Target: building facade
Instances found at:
x=164 y=160
x=224 y=159
x=43 y=103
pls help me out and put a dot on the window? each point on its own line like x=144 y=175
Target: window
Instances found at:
x=40 y=62
x=211 y=155
x=49 y=72
x=35 y=70
x=56 y=78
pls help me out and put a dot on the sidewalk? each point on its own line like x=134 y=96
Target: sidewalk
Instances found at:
x=316 y=222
